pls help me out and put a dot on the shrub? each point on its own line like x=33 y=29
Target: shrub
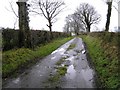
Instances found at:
x=10 y=38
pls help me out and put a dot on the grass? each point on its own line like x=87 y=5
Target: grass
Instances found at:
x=105 y=60
x=0 y=62
x=60 y=61
x=15 y=60
x=71 y=46
x=61 y=71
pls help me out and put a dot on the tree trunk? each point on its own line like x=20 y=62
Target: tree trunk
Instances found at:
x=88 y=28
x=24 y=32
x=21 y=38
x=51 y=35
x=50 y=28
x=77 y=30
x=108 y=16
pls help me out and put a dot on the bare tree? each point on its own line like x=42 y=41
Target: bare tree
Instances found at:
x=11 y=6
x=109 y=11
x=109 y=3
x=77 y=23
x=49 y=9
x=88 y=15
x=14 y=12
x=73 y=24
x=68 y=26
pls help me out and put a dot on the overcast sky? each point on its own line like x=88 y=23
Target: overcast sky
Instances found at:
x=7 y=18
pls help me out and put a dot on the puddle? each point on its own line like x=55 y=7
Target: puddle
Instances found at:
x=62 y=65
x=87 y=74
x=16 y=80
x=37 y=65
x=62 y=49
x=41 y=75
x=61 y=53
x=65 y=56
x=67 y=63
x=54 y=52
x=71 y=59
x=71 y=73
x=82 y=46
x=77 y=58
x=83 y=51
x=58 y=50
x=53 y=57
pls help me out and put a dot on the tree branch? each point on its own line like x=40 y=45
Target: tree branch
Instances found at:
x=13 y=10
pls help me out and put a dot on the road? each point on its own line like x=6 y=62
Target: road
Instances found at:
x=79 y=74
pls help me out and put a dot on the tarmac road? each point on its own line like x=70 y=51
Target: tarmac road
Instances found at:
x=79 y=73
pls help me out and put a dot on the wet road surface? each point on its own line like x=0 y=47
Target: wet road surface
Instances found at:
x=78 y=75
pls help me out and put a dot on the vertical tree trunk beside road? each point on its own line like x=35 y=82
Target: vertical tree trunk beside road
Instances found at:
x=24 y=31
x=108 y=15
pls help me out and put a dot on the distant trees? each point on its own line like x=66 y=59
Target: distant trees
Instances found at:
x=82 y=19
x=68 y=26
x=49 y=9
x=88 y=15
x=73 y=24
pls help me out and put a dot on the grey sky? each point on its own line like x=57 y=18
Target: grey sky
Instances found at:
x=7 y=18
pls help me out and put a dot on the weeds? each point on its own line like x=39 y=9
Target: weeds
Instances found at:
x=105 y=61
x=60 y=61
x=71 y=46
x=14 y=60
x=60 y=72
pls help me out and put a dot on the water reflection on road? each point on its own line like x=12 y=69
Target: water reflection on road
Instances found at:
x=71 y=73
x=79 y=74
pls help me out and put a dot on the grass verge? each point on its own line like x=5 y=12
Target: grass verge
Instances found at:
x=15 y=60
x=105 y=59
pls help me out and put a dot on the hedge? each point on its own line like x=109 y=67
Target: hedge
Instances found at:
x=10 y=38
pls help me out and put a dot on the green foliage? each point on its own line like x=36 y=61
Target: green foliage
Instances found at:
x=10 y=38
x=61 y=71
x=105 y=61
x=60 y=61
x=13 y=60
x=54 y=78
x=71 y=46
